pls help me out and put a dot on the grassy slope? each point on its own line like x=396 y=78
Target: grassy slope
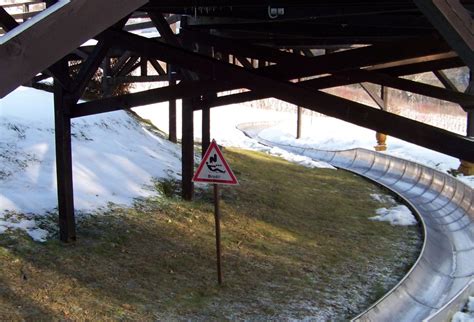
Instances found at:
x=296 y=243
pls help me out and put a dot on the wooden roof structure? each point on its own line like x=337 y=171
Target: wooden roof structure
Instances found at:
x=271 y=48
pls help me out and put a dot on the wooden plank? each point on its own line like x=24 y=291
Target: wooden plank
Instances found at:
x=182 y=90
x=187 y=149
x=61 y=28
x=454 y=23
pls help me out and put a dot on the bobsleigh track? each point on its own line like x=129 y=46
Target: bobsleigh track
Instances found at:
x=442 y=276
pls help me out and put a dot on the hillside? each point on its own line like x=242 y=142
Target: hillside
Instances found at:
x=115 y=158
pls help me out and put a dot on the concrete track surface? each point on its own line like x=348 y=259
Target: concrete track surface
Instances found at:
x=445 y=208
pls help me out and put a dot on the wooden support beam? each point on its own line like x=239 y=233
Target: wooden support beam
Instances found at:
x=119 y=65
x=206 y=111
x=172 y=109
x=170 y=37
x=244 y=62
x=138 y=79
x=129 y=66
x=106 y=85
x=156 y=65
x=206 y=128
x=89 y=67
x=470 y=124
x=187 y=149
x=66 y=26
x=143 y=66
x=299 y=119
x=63 y=103
x=187 y=135
x=421 y=67
x=182 y=90
x=6 y=21
x=373 y=95
x=338 y=79
x=410 y=86
x=470 y=113
x=454 y=23
x=288 y=58
x=293 y=66
x=444 y=79
x=359 y=114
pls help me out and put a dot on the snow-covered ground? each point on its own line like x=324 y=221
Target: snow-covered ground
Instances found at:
x=115 y=157
x=327 y=133
x=468 y=314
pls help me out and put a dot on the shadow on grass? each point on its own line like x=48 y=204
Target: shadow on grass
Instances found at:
x=20 y=307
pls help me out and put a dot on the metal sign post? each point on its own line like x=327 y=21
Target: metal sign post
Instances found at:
x=214 y=169
x=217 y=219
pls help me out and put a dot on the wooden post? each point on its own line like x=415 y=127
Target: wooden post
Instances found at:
x=206 y=128
x=106 y=73
x=172 y=108
x=206 y=111
x=217 y=218
x=298 y=121
x=470 y=124
x=62 y=120
x=187 y=148
x=382 y=137
x=143 y=66
x=299 y=112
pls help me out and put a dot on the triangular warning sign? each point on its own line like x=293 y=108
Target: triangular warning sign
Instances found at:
x=214 y=168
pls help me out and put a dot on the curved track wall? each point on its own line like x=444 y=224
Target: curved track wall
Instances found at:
x=446 y=209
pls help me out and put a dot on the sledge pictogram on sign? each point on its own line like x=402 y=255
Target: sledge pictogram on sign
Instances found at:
x=214 y=168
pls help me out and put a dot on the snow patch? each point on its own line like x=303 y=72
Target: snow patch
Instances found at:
x=463 y=317
x=382 y=198
x=115 y=159
x=467 y=315
x=299 y=159
x=29 y=225
x=397 y=216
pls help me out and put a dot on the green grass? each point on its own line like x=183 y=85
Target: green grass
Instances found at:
x=296 y=243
